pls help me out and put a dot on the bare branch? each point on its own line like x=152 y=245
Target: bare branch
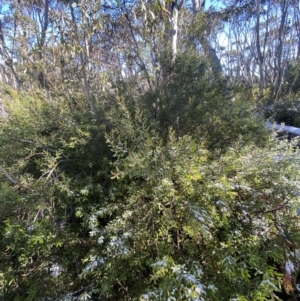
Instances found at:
x=8 y=177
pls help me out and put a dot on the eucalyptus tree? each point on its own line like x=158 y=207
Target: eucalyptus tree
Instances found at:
x=262 y=41
x=47 y=44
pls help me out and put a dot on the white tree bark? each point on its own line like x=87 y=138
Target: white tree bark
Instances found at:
x=174 y=9
x=258 y=48
x=279 y=69
x=175 y=31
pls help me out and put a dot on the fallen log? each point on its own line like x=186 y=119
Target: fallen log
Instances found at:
x=284 y=129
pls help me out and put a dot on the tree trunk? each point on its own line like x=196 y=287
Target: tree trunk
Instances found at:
x=258 y=48
x=279 y=70
x=8 y=61
x=41 y=43
x=174 y=8
x=82 y=62
x=209 y=51
x=211 y=54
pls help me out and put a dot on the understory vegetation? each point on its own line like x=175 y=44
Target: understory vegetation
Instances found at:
x=119 y=204
x=148 y=174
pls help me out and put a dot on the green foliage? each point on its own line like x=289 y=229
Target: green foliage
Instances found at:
x=195 y=102
x=189 y=227
x=292 y=78
x=109 y=206
x=170 y=189
x=285 y=110
x=52 y=160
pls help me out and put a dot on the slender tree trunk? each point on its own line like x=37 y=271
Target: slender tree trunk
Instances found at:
x=209 y=51
x=279 y=70
x=198 y=5
x=258 y=49
x=41 y=43
x=82 y=62
x=8 y=60
x=174 y=17
x=174 y=8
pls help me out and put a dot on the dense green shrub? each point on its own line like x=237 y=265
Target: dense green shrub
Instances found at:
x=286 y=110
x=190 y=227
x=54 y=160
x=193 y=101
x=292 y=78
x=110 y=206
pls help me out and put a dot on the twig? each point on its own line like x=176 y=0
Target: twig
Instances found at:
x=74 y=294
x=52 y=150
x=8 y=177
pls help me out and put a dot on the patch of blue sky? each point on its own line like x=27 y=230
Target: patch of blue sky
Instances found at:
x=215 y=4
x=4 y=8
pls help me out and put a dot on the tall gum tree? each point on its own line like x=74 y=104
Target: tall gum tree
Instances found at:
x=262 y=40
x=208 y=49
x=198 y=7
